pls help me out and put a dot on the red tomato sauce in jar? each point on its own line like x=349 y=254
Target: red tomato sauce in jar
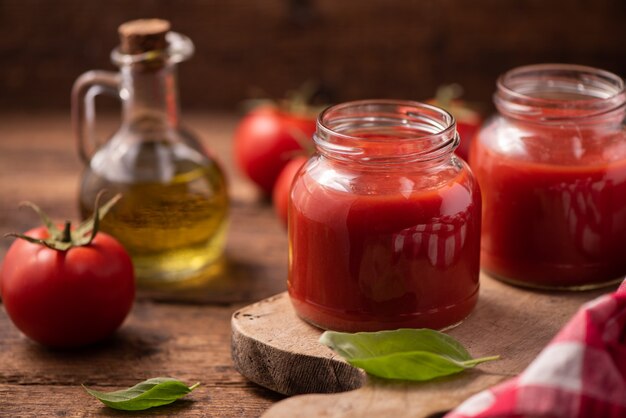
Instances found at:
x=552 y=170
x=556 y=224
x=383 y=247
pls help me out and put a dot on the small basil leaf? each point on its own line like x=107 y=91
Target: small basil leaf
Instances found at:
x=410 y=365
x=147 y=394
x=368 y=344
x=408 y=354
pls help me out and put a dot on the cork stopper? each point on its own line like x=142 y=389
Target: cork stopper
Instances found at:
x=143 y=35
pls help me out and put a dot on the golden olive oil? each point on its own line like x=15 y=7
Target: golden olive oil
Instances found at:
x=174 y=230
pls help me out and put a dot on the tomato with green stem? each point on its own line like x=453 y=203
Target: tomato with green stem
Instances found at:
x=65 y=287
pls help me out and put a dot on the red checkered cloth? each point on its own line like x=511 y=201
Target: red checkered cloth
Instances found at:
x=581 y=373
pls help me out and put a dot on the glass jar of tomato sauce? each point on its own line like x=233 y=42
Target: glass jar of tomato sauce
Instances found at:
x=384 y=221
x=552 y=169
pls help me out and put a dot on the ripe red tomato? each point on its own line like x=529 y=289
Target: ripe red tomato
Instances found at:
x=280 y=195
x=67 y=298
x=266 y=139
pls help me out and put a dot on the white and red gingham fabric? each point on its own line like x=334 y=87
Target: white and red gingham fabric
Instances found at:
x=580 y=374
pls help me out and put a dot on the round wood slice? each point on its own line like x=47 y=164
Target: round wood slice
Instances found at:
x=272 y=347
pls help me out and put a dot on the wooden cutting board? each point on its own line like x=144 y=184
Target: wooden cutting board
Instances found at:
x=274 y=348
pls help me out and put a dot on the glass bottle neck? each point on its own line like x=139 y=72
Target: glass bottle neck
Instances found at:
x=150 y=97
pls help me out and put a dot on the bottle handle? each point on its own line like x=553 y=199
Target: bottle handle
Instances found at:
x=84 y=92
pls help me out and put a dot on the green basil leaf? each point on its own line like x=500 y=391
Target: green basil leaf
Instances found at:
x=407 y=354
x=147 y=394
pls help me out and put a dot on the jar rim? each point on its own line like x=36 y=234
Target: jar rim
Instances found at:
x=524 y=91
x=451 y=122
x=434 y=128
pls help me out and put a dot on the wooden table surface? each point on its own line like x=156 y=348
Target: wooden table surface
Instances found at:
x=186 y=336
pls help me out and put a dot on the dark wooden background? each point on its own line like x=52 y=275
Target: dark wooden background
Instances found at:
x=354 y=48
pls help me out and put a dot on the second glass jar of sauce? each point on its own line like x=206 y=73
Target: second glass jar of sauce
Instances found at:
x=552 y=169
x=384 y=221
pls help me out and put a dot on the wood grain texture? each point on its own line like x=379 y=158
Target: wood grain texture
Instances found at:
x=187 y=342
x=356 y=49
x=72 y=401
x=269 y=341
x=183 y=334
x=275 y=349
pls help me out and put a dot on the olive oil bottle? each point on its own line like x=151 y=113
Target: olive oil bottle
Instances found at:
x=173 y=213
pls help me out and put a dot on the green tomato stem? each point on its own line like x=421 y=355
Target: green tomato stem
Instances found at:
x=67 y=232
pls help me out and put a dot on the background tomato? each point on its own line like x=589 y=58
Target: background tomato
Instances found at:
x=266 y=139
x=468 y=122
x=468 y=119
x=67 y=298
x=280 y=195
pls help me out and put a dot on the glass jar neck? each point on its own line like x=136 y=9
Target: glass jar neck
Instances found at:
x=382 y=133
x=150 y=94
x=561 y=94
